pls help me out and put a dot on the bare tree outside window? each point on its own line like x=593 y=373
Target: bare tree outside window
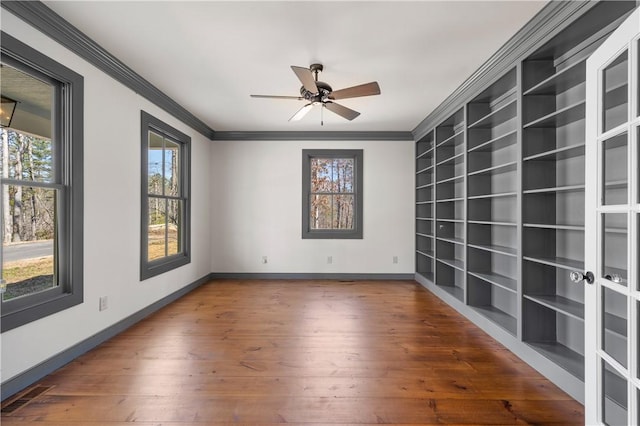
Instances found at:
x=332 y=194
x=165 y=201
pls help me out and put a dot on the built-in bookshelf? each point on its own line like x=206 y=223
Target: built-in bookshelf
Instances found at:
x=504 y=177
x=425 y=206
x=492 y=157
x=450 y=204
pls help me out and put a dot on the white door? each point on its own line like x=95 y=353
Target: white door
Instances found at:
x=612 y=299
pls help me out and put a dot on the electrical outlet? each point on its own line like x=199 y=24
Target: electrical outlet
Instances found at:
x=395 y=259
x=264 y=259
x=103 y=303
x=329 y=260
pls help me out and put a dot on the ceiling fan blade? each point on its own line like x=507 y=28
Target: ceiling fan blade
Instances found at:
x=342 y=111
x=367 y=89
x=306 y=78
x=298 y=98
x=301 y=112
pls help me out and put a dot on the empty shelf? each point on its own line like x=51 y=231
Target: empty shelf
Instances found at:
x=496 y=279
x=509 y=251
x=499 y=317
x=454 y=263
x=568 y=359
x=558 y=262
x=560 y=304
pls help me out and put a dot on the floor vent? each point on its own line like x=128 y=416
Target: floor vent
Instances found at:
x=24 y=399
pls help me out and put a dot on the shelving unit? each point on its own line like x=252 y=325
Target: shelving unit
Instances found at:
x=450 y=204
x=425 y=174
x=553 y=199
x=492 y=159
x=501 y=180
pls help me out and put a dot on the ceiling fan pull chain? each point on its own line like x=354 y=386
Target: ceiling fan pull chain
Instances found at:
x=322 y=115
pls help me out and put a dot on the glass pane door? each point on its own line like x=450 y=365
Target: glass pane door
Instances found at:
x=612 y=212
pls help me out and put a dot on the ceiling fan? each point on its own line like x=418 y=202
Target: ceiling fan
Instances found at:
x=320 y=93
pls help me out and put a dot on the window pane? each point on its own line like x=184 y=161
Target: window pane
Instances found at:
x=614 y=250
x=614 y=97
x=344 y=175
x=29 y=235
x=155 y=162
x=157 y=236
x=171 y=168
x=614 y=159
x=320 y=212
x=321 y=174
x=27 y=157
x=33 y=103
x=614 y=389
x=343 y=212
x=174 y=245
x=614 y=318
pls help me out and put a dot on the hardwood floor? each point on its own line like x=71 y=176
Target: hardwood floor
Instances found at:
x=300 y=352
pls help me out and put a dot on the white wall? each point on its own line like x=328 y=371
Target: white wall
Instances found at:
x=111 y=214
x=256 y=194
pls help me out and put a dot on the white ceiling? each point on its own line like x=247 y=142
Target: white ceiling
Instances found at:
x=209 y=56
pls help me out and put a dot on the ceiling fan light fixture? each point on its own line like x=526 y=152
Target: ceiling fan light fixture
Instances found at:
x=320 y=93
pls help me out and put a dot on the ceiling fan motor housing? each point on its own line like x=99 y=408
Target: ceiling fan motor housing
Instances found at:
x=324 y=90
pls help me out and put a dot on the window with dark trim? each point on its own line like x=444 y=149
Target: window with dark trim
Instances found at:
x=332 y=193
x=166 y=161
x=41 y=208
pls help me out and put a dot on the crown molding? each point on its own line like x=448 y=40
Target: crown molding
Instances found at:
x=552 y=19
x=53 y=25
x=313 y=136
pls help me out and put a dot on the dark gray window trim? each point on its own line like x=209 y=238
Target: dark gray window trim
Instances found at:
x=31 y=308
x=356 y=154
x=313 y=136
x=160 y=266
x=53 y=25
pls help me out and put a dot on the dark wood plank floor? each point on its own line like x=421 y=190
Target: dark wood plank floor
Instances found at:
x=300 y=352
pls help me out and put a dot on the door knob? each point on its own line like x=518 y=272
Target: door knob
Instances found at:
x=576 y=277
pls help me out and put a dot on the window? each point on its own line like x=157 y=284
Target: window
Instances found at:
x=332 y=193
x=165 y=242
x=41 y=185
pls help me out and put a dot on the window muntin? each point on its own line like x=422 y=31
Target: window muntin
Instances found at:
x=332 y=194
x=40 y=187
x=165 y=204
